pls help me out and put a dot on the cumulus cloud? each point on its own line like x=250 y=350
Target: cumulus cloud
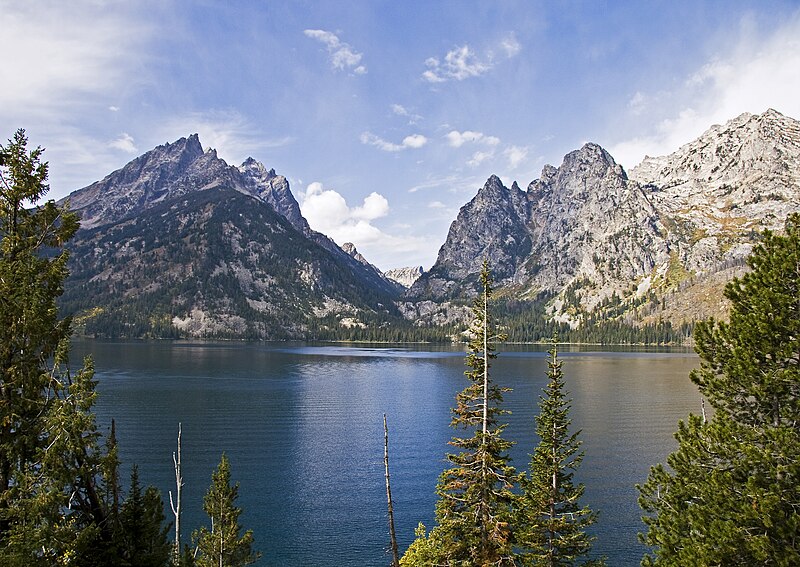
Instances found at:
x=342 y=55
x=414 y=141
x=327 y=211
x=463 y=62
x=756 y=73
x=125 y=143
x=457 y=139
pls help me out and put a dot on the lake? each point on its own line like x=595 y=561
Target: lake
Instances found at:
x=302 y=426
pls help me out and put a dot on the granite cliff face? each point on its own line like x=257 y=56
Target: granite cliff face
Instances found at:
x=717 y=191
x=587 y=235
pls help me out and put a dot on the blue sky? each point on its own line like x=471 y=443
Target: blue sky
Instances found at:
x=387 y=116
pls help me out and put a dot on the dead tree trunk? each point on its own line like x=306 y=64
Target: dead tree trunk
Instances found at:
x=392 y=534
x=176 y=505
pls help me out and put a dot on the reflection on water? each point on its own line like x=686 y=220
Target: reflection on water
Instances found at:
x=302 y=425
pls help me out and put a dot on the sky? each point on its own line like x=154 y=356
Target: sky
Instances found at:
x=386 y=117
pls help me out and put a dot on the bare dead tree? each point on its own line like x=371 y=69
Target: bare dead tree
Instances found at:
x=176 y=505
x=392 y=534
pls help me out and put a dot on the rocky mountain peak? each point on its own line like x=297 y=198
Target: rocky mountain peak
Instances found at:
x=350 y=250
x=493 y=225
x=141 y=181
x=404 y=276
x=274 y=189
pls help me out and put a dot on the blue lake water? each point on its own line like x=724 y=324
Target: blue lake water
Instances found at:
x=302 y=426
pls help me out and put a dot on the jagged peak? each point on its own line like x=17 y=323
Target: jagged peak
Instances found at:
x=590 y=152
x=254 y=166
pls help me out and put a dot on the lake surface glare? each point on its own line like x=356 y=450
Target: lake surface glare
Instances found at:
x=302 y=426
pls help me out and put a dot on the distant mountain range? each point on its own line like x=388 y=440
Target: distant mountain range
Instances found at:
x=179 y=243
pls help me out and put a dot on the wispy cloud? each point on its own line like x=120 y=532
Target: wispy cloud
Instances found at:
x=480 y=157
x=64 y=61
x=516 y=155
x=342 y=55
x=401 y=110
x=464 y=62
x=71 y=51
x=229 y=132
x=754 y=74
x=414 y=141
x=124 y=142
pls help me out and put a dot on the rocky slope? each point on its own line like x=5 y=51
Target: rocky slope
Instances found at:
x=179 y=242
x=717 y=191
x=405 y=277
x=594 y=240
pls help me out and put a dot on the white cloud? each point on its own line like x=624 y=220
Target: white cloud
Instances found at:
x=515 y=155
x=459 y=64
x=342 y=55
x=374 y=207
x=457 y=139
x=67 y=53
x=436 y=205
x=401 y=110
x=64 y=62
x=479 y=157
x=125 y=143
x=327 y=211
x=463 y=62
x=413 y=141
x=755 y=74
x=510 y=45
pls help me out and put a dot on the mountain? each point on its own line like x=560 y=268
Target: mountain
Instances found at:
x=594 y=242
x=177 y=242
x=405 y=277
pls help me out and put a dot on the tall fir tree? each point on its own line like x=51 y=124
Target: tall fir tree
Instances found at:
x=474 y=509
x=141 y=533
x=51 y=503
x=551 y=522
x=731 y=494
x=222 y=546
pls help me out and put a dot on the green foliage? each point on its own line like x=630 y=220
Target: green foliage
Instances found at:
x=551 y=523
x=731 y=493
x=51 y=511
x=141 y=536
x=474 y=509
x=222 y=545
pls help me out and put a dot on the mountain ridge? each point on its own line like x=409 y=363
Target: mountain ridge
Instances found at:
x=585 y=243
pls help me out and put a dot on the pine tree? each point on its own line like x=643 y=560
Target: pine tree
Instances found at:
x=141 y=533
x=51 y=505
x=551 y=522
x=473 y=513
x=222 y=546
x=731 y=495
